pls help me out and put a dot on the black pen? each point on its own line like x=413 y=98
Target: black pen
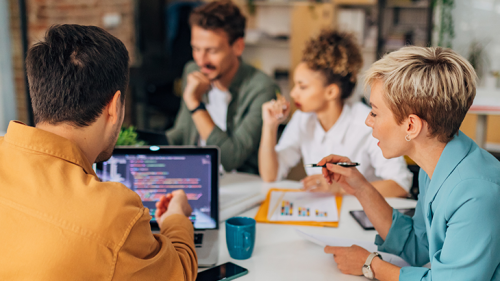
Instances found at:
x=343 y=164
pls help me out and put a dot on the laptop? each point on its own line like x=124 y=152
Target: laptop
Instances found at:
x=152 y=171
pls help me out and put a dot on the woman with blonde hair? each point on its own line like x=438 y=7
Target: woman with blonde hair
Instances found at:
x=419 y=98
x=325 y=123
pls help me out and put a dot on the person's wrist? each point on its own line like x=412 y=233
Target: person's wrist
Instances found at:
x=191 y=104
x=201 y=106
x=376 y=263
x=362 y=189
x=367 y=268
x=270 y=126
x=174 y=211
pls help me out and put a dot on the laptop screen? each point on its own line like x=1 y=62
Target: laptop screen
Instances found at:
x=155 y=171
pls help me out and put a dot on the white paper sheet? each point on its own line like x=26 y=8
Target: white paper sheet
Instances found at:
x=235 y=202
x=229 y=197
x=302 y=206
x=343 y=242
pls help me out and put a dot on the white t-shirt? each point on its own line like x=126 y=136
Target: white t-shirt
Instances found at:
x=305 y=138
x=217 y=104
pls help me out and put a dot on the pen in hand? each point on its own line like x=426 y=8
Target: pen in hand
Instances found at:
x=343 y=164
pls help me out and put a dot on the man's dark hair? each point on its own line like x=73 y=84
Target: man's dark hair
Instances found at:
x=74 y=73
x=223 y=15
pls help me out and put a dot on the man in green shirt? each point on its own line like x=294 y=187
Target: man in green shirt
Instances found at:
x=222 y=96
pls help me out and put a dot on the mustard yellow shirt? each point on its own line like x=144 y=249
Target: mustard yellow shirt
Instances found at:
x=59 y=222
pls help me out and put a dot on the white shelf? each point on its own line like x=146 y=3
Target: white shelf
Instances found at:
x=281 y=44
x=355 y=2
x=280 y=3
x=368 y=49
x=409 y=6
x=272 y=3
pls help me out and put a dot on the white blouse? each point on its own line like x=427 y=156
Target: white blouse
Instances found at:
x=304 y=138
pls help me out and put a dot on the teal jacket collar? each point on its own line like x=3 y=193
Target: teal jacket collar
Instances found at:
x=454 y=152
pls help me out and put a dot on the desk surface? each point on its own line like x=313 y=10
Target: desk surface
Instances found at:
x=280 y=253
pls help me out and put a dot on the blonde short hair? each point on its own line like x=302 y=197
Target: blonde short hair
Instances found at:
x=436 y=84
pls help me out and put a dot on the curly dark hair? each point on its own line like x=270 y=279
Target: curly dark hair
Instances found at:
x=220 y=14
x=337 y=56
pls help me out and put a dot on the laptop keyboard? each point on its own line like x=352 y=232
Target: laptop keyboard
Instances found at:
x=198 y=238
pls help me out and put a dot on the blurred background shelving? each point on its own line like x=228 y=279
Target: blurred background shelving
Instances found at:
x=404 y=22
x=157 y=35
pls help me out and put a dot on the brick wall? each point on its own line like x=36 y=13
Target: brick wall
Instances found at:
x=41 y=14
x=17 y=61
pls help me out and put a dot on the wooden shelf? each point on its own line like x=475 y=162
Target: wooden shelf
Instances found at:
x=355 y=2
x=335 y=2
x=277 y=3
x=409 y=6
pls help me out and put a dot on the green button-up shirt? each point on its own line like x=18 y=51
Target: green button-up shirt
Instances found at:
x=239 y=144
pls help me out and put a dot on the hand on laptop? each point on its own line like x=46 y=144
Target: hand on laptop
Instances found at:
x=173 y=203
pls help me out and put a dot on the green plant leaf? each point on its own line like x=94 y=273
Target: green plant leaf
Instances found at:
x=128 y=136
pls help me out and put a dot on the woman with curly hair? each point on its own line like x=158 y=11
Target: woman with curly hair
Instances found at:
x=325 y=123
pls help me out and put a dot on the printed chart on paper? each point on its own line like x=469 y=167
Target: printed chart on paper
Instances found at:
x=302 y=206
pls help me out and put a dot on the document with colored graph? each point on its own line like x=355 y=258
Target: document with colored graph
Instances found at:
x=302 y=206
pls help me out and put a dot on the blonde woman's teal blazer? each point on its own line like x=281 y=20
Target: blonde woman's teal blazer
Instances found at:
x=456 y=226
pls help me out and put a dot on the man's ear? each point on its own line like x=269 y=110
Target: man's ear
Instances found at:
x=414 y=126
x=239 y=46
x=114 y=107
x=332 y=92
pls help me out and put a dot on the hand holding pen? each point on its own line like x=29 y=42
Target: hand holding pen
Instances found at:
x=346 y=175
x=342 y=164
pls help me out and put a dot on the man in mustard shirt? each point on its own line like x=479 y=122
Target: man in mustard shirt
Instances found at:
x=58 y=221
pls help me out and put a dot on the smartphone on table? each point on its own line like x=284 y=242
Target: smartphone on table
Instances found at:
x=226 y=272
x=362 y=219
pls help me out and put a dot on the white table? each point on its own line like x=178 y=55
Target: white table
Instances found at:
x=487 y=102
x=280 y=253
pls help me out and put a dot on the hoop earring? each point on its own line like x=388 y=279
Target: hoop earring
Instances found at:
x=407 y=138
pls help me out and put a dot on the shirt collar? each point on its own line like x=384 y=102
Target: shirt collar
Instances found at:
x=241 y=74
x=41 y=141
x=337 y=131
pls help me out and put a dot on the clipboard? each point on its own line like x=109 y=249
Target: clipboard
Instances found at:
x=261 y=215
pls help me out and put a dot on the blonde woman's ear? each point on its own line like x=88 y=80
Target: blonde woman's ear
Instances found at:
x=415 y=126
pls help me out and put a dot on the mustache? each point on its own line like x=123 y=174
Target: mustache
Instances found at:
x=209 y=66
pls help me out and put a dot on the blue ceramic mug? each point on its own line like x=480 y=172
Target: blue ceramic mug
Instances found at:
x=240 y=237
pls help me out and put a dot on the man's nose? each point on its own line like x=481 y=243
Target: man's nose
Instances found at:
x=204 y=58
